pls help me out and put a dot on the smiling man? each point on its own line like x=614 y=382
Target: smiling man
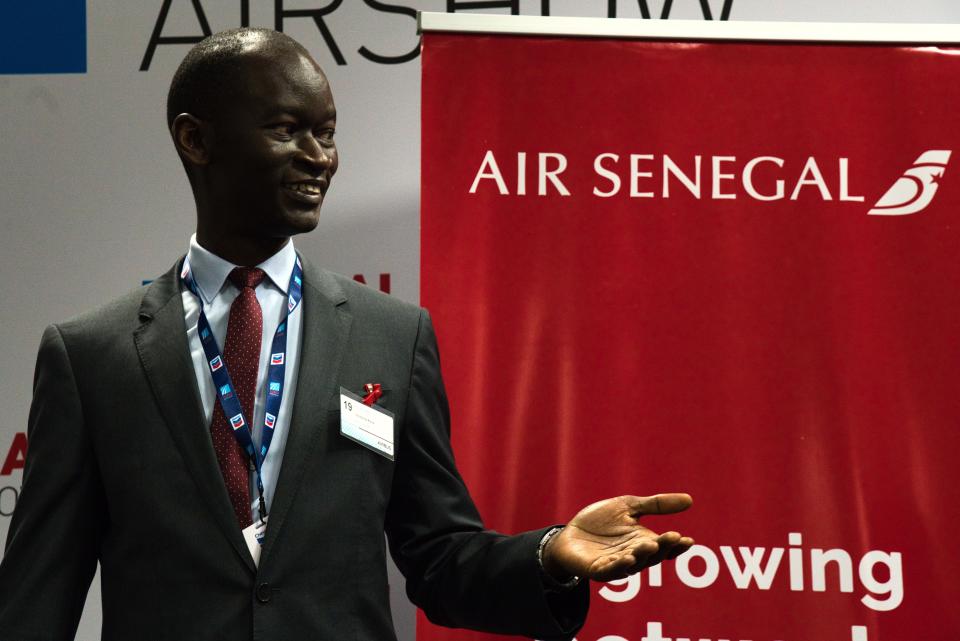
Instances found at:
x=257 y=142
x=194 y=437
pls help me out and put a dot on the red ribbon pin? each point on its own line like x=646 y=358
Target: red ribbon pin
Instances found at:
x=373 y=393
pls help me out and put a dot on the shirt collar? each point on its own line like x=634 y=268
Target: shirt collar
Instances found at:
x=210 y=271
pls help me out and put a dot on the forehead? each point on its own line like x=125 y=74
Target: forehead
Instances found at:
x=269 y=82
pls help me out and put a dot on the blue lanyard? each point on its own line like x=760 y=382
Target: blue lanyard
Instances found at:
x=275 y=376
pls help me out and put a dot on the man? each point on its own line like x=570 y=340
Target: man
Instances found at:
x=133 y=461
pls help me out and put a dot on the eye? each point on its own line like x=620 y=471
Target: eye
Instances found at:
x=283 y=130
x=325 y=136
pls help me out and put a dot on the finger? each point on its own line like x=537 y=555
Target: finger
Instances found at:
x=682 y=546
x=618 y=566
x=665 y=544
x=669 y=538
x=643 y=554
x=658 y=504
x=613 y=568
x=638 y=557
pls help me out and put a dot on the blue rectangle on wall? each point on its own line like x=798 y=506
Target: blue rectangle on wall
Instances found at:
x=43 y=36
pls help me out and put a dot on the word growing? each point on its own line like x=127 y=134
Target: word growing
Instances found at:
x=758 y=568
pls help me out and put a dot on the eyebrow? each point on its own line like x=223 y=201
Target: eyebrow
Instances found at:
x=291 y=110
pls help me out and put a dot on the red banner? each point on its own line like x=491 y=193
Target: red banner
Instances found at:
x=728 y=269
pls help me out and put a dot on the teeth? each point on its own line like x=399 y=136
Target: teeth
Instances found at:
x=304 y=188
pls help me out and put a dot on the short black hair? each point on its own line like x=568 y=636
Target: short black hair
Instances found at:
x=208 y=74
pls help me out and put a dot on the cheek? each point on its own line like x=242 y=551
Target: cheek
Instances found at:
x=253 y=176
x=334 y=161
x=264 y=156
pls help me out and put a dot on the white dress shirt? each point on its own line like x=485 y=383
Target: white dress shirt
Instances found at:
x=210 y=274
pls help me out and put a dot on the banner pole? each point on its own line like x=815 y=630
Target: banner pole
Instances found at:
x=674 y=30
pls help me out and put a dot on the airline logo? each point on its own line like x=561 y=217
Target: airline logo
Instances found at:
x=269 y=420
x=282 y=328
x=276 y=359
x=297 y=280
x=205 y=333
x=237 y=421
x=915 y=189
x=216 y=363
x=274 y=389
x=761 y=178
x=225 y=391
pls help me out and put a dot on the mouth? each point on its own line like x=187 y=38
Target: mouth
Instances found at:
x=306 y=191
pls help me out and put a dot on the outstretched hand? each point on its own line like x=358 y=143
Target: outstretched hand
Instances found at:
x=605 y=540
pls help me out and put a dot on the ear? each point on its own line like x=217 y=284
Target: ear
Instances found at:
x=191 y=136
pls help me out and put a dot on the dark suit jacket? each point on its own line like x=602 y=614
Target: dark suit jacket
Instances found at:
x=121 y=470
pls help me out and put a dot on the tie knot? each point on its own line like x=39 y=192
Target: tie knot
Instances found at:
x=246 y=277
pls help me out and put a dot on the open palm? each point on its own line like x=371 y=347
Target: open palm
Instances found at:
x=605 y=540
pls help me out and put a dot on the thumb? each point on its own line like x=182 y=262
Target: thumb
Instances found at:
x=658 y=504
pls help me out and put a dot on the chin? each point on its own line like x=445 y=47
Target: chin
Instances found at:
x=301 y=222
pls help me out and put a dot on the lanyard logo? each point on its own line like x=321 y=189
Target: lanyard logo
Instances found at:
x=221 y=378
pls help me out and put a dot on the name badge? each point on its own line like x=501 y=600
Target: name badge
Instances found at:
x=253 y=535
x=370 y=426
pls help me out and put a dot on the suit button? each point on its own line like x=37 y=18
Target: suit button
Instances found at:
x=264 y=592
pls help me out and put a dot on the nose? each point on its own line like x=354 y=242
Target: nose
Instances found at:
x=315 y=153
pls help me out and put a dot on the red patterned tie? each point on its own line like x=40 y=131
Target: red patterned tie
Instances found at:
x=241 y=352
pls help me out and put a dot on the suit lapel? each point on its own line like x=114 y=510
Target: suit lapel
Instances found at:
x=165 y=356
x=325 y=330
